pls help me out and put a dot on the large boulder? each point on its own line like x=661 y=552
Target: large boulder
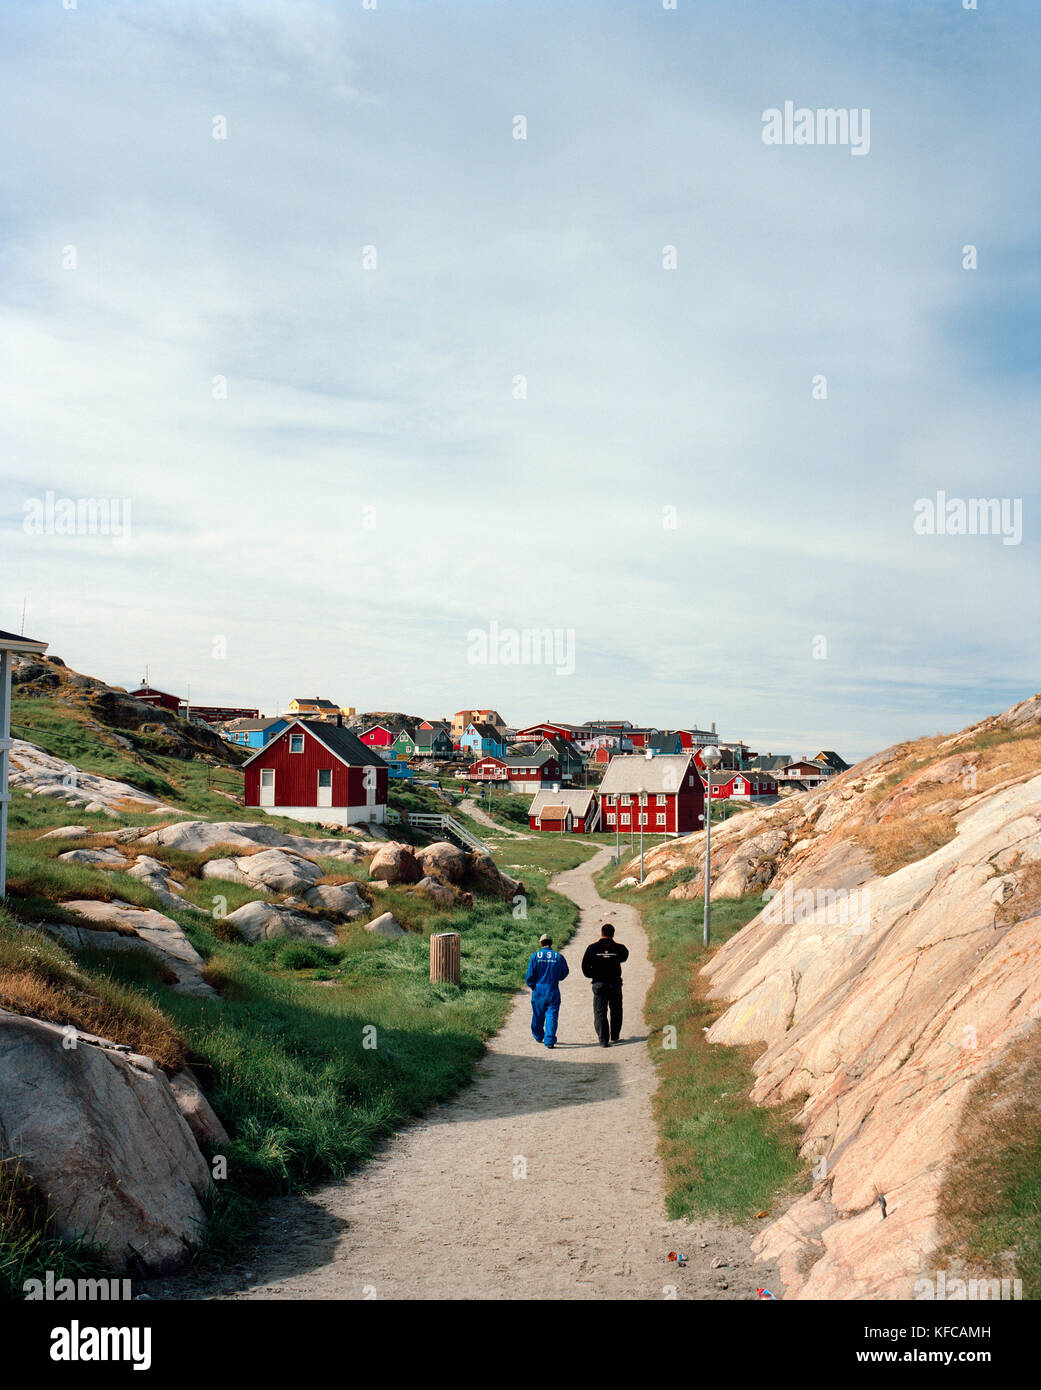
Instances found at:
x=339 y=900
x=279 y=872
x=162 y=933
x=443 y=860
x=65 y=832
x=109 y=1148
x=395 y=863
x=487 y=877
x=261 y=921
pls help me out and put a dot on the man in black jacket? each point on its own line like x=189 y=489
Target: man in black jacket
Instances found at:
x=602 y=963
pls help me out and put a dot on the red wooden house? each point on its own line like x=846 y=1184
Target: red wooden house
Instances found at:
x=315 y=771
x=744 y=786
x=380 y=735
x=519 y=774
x=663 y=794
x=148 y=695
x=535 y=733
x=565 y=812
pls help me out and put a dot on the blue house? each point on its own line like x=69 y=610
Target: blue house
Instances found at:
x=253 y=733
x=481 y=740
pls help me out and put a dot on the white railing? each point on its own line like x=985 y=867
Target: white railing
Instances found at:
x=435 y=820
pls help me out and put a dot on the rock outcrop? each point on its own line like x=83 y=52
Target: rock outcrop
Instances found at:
x=261 y=921
x=892 y=966
x=159 y=933
x=110 y=1150
x=395 y=863
x=386 y=925
x=40 y=774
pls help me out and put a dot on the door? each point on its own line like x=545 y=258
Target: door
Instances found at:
x=267 y=786
x=325 y=786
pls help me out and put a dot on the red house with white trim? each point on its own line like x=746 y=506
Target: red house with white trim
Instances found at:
x=315 y=771
x=572 y=811
x=745 y=786
x=663 y=794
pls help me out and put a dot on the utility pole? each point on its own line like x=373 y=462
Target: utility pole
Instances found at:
x=710 y=757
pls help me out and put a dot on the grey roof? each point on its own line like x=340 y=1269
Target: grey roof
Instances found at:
x=535 y=759
x=630 y=771
x=309 y=700
x=346 y=746
x=251 y=725
x=15 y=643
x=770 y=762
x=577 y=800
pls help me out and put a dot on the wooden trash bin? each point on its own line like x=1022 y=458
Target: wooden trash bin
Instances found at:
x=445 y=947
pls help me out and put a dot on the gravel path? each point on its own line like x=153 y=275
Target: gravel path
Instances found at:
x=540 y=1181
x=471 y=808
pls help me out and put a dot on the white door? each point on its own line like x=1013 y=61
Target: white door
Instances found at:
x=267 y=786
x=370 y=787
x=325 y=786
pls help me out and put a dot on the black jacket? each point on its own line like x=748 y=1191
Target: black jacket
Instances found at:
x=603 y=959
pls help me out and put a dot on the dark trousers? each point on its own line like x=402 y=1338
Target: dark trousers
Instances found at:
x=607 y=997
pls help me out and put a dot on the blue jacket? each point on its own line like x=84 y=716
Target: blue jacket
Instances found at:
x=546 y=969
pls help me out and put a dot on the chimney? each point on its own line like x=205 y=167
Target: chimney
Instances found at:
x=713 y=726
x=339 y=719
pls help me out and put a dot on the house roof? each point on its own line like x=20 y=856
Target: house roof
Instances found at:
x=316 y=703
x=535 y=759
x=340 y=742
x=830 y=757
x=552 y=813
x=770 y=762
x=485 y=731
x=246 y=726
x=13 y=642
x=628 y=772
x=578 y=800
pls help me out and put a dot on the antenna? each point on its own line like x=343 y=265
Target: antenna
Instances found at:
x=25 y=600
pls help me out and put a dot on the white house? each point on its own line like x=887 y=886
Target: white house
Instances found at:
x=10 y=646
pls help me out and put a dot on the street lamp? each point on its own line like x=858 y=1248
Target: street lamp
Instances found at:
x=710 y=758
x=642 y=795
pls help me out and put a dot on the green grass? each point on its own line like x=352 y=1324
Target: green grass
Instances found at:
x=723 y=1155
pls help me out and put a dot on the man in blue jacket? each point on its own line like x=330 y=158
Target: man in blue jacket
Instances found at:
x=546 y=969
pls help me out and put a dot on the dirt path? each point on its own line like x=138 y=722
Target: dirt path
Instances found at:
x=474 y=811
x=540 y=1181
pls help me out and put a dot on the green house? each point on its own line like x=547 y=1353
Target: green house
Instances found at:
x=405 y=744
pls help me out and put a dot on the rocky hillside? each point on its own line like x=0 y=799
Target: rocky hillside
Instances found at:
x=891 y=972
x=112 y=717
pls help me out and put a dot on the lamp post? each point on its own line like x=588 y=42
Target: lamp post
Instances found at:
x=642 y=795
x=710 y=758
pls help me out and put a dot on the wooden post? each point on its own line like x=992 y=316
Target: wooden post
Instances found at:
x=445 y=958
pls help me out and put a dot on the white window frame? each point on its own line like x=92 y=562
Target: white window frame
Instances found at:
x=661 y=817
x=292 y=739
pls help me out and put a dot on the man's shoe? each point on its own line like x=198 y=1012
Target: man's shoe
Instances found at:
x=551 y=1045
x=603 y=1044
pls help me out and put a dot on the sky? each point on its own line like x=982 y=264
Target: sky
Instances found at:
x=376 y=388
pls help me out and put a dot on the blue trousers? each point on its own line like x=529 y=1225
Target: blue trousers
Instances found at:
x=545 y=1007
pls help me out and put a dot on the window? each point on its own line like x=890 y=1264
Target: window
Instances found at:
x=661 y=817
x=643 y=818
x=625 y=820
x=296 y=743
x=610 y=818
x=661 y=801
x=325 y=776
